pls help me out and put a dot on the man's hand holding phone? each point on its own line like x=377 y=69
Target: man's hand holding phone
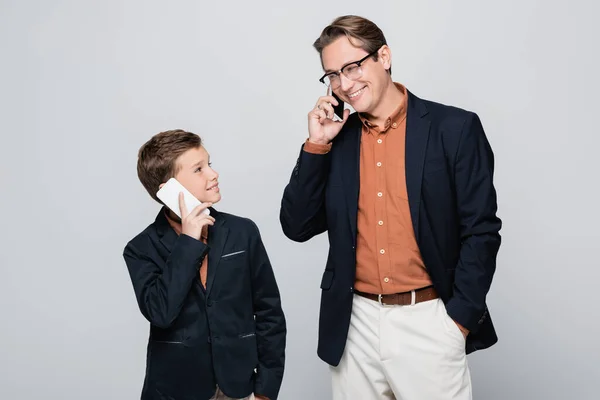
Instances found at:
x=322 y=127
x=192 y=223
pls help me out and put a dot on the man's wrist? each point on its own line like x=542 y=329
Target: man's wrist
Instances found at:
x=316 y=148
x=464 y=330
x=319 y=142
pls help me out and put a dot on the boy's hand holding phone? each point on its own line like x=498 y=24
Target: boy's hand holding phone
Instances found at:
x=193 y=222
x=322 y=126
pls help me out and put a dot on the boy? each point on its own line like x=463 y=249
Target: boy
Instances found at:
x=205 y=284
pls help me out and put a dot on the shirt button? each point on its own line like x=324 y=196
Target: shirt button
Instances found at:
x=379 y=141
x=382 y=251
x=394 y=125
x=386 y=279
x=379 y=194
x=380 y=223
x=379 y=164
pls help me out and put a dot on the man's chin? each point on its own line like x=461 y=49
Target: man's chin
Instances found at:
x=361 y=107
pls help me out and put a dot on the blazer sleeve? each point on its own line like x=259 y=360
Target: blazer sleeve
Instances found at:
x=479 y=226
x=269 y=319
x=302 y=214
x=161 y=288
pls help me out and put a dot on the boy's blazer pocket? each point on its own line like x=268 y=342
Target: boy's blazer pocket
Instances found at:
x=232 y=254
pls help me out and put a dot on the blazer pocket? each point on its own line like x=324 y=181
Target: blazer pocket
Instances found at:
x=163 y=396
x=167 y=341
x=327 y=279
x=233 y=255
x=334 y=183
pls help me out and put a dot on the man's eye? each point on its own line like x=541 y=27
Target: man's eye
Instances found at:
x=350 y=69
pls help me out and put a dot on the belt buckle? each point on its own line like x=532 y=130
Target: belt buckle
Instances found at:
x=379 y=299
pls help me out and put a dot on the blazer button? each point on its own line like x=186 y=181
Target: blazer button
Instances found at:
x=209 y=303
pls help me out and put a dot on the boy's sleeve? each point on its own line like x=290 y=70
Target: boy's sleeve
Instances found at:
x=161 y=291
x=270 y=321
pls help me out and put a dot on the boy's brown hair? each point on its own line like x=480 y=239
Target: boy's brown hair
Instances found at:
x=360 y=31
x=157 y=158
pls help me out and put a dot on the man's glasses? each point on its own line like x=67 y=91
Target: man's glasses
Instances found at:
x=352 y=71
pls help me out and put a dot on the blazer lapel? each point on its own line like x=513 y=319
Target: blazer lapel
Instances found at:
x=417 y=136
x=217 y=237
x=167 y=235
x=351 y=170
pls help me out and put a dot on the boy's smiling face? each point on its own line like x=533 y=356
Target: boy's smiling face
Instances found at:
x=194 y=172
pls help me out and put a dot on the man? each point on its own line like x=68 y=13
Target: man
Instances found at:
x=404 y=189
x=205 y=284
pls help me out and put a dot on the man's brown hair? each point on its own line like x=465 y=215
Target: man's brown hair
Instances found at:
x=157 y=158
x=360 y=31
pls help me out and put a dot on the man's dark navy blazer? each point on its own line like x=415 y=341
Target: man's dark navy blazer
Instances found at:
x=449 y=172
x=219 y=335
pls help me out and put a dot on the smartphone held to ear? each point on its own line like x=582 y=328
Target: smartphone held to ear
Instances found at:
x=338 y=111
x=169 y=195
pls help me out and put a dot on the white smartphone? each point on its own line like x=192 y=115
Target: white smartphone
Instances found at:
x=169 y=195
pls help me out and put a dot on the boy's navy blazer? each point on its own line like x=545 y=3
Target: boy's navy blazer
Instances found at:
x=233 y=333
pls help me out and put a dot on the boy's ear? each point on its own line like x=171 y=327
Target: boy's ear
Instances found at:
x=161 y=185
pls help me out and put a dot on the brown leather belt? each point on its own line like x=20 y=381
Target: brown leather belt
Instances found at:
x=402 y=299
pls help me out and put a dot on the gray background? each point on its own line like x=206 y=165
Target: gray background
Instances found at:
x=83 y=84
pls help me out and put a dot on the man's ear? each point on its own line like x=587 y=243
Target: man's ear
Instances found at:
x=161 y=185
x=385 y=56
